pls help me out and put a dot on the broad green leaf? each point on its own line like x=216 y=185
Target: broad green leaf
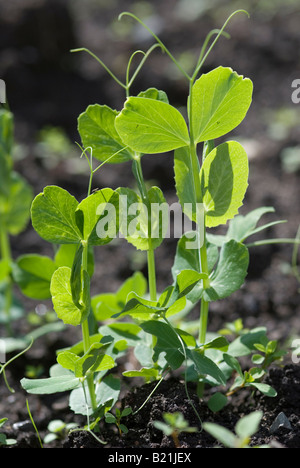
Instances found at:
x=62 y=300
x=96 y=127
x=143 y=226
x=245 y=344
x=224 y=181
x=265 y=389
x=220 y=433
x=147 y=373
x=94 y=360
x=33 y=275
x=123 y=331
x=217 y=402
x=15 y=207
x=206 y=366
x=151 y=126
x=220 y=101
x=106 y=305
x=53 y=216
x=248 y=425
x=61 y=383
x=100 y=207
x=230 y=272
x=68 y=360
x=168 y=342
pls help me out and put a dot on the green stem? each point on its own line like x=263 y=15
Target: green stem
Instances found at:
x=201 y=221
x=138 y=173
x=86 y=338
x=6 y=255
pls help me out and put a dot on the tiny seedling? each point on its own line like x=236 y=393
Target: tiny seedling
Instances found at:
x=174 y=425
x=111 y=419
x=58 y=430
x=245 y=428
x=3 y=439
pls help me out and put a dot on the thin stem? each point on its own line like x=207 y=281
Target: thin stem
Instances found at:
x=83 y=49
x=129 y=82
x=221 y=31
x=6 y=256
x=86 y=338
x=138 y=173
x=164 y=48
x=283 y=240
x=152 y=275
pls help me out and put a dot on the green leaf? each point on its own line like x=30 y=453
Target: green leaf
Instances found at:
x=248 y=425
x=53 y=216
x=100 y=207
x=143 y=226
x=62 y=299
x=146 y=373
x=167 y=342
x=15 y=207
x=220 y=101
x=226 y=437
x=151 y=126
x=206 y=366
x=66 y=253
x=96 y=127
x=230 y=272
x=245 y=344
x=217 y=402
x=33 y=275
x=224 y=180
x=122 y=331
x=265 y=389
x=94 y=360
x=106 y=305
x=51 y=385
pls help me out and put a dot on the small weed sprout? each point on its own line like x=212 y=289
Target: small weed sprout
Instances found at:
x=111 y=419
x=3 y=439
x=174 y=425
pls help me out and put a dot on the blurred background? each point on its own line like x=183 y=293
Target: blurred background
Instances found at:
x=48 y=87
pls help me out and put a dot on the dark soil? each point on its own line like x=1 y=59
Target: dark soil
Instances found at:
x=46 y=87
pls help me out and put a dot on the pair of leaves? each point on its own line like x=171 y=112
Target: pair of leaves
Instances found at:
x=58 y=218
x=220 y=101
x=98 y=132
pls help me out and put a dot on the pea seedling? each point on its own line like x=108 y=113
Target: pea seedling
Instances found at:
x=15 y=199
x=174 y=425
x=210 y=269
x=245 y=428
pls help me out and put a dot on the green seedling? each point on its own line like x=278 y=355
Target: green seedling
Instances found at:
x=15 y=199
x=111 y=419
x=245 y=428
x=3 y=439
x=174 y=425
x=58 y=430
x=206 y=268
x=270 y=353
